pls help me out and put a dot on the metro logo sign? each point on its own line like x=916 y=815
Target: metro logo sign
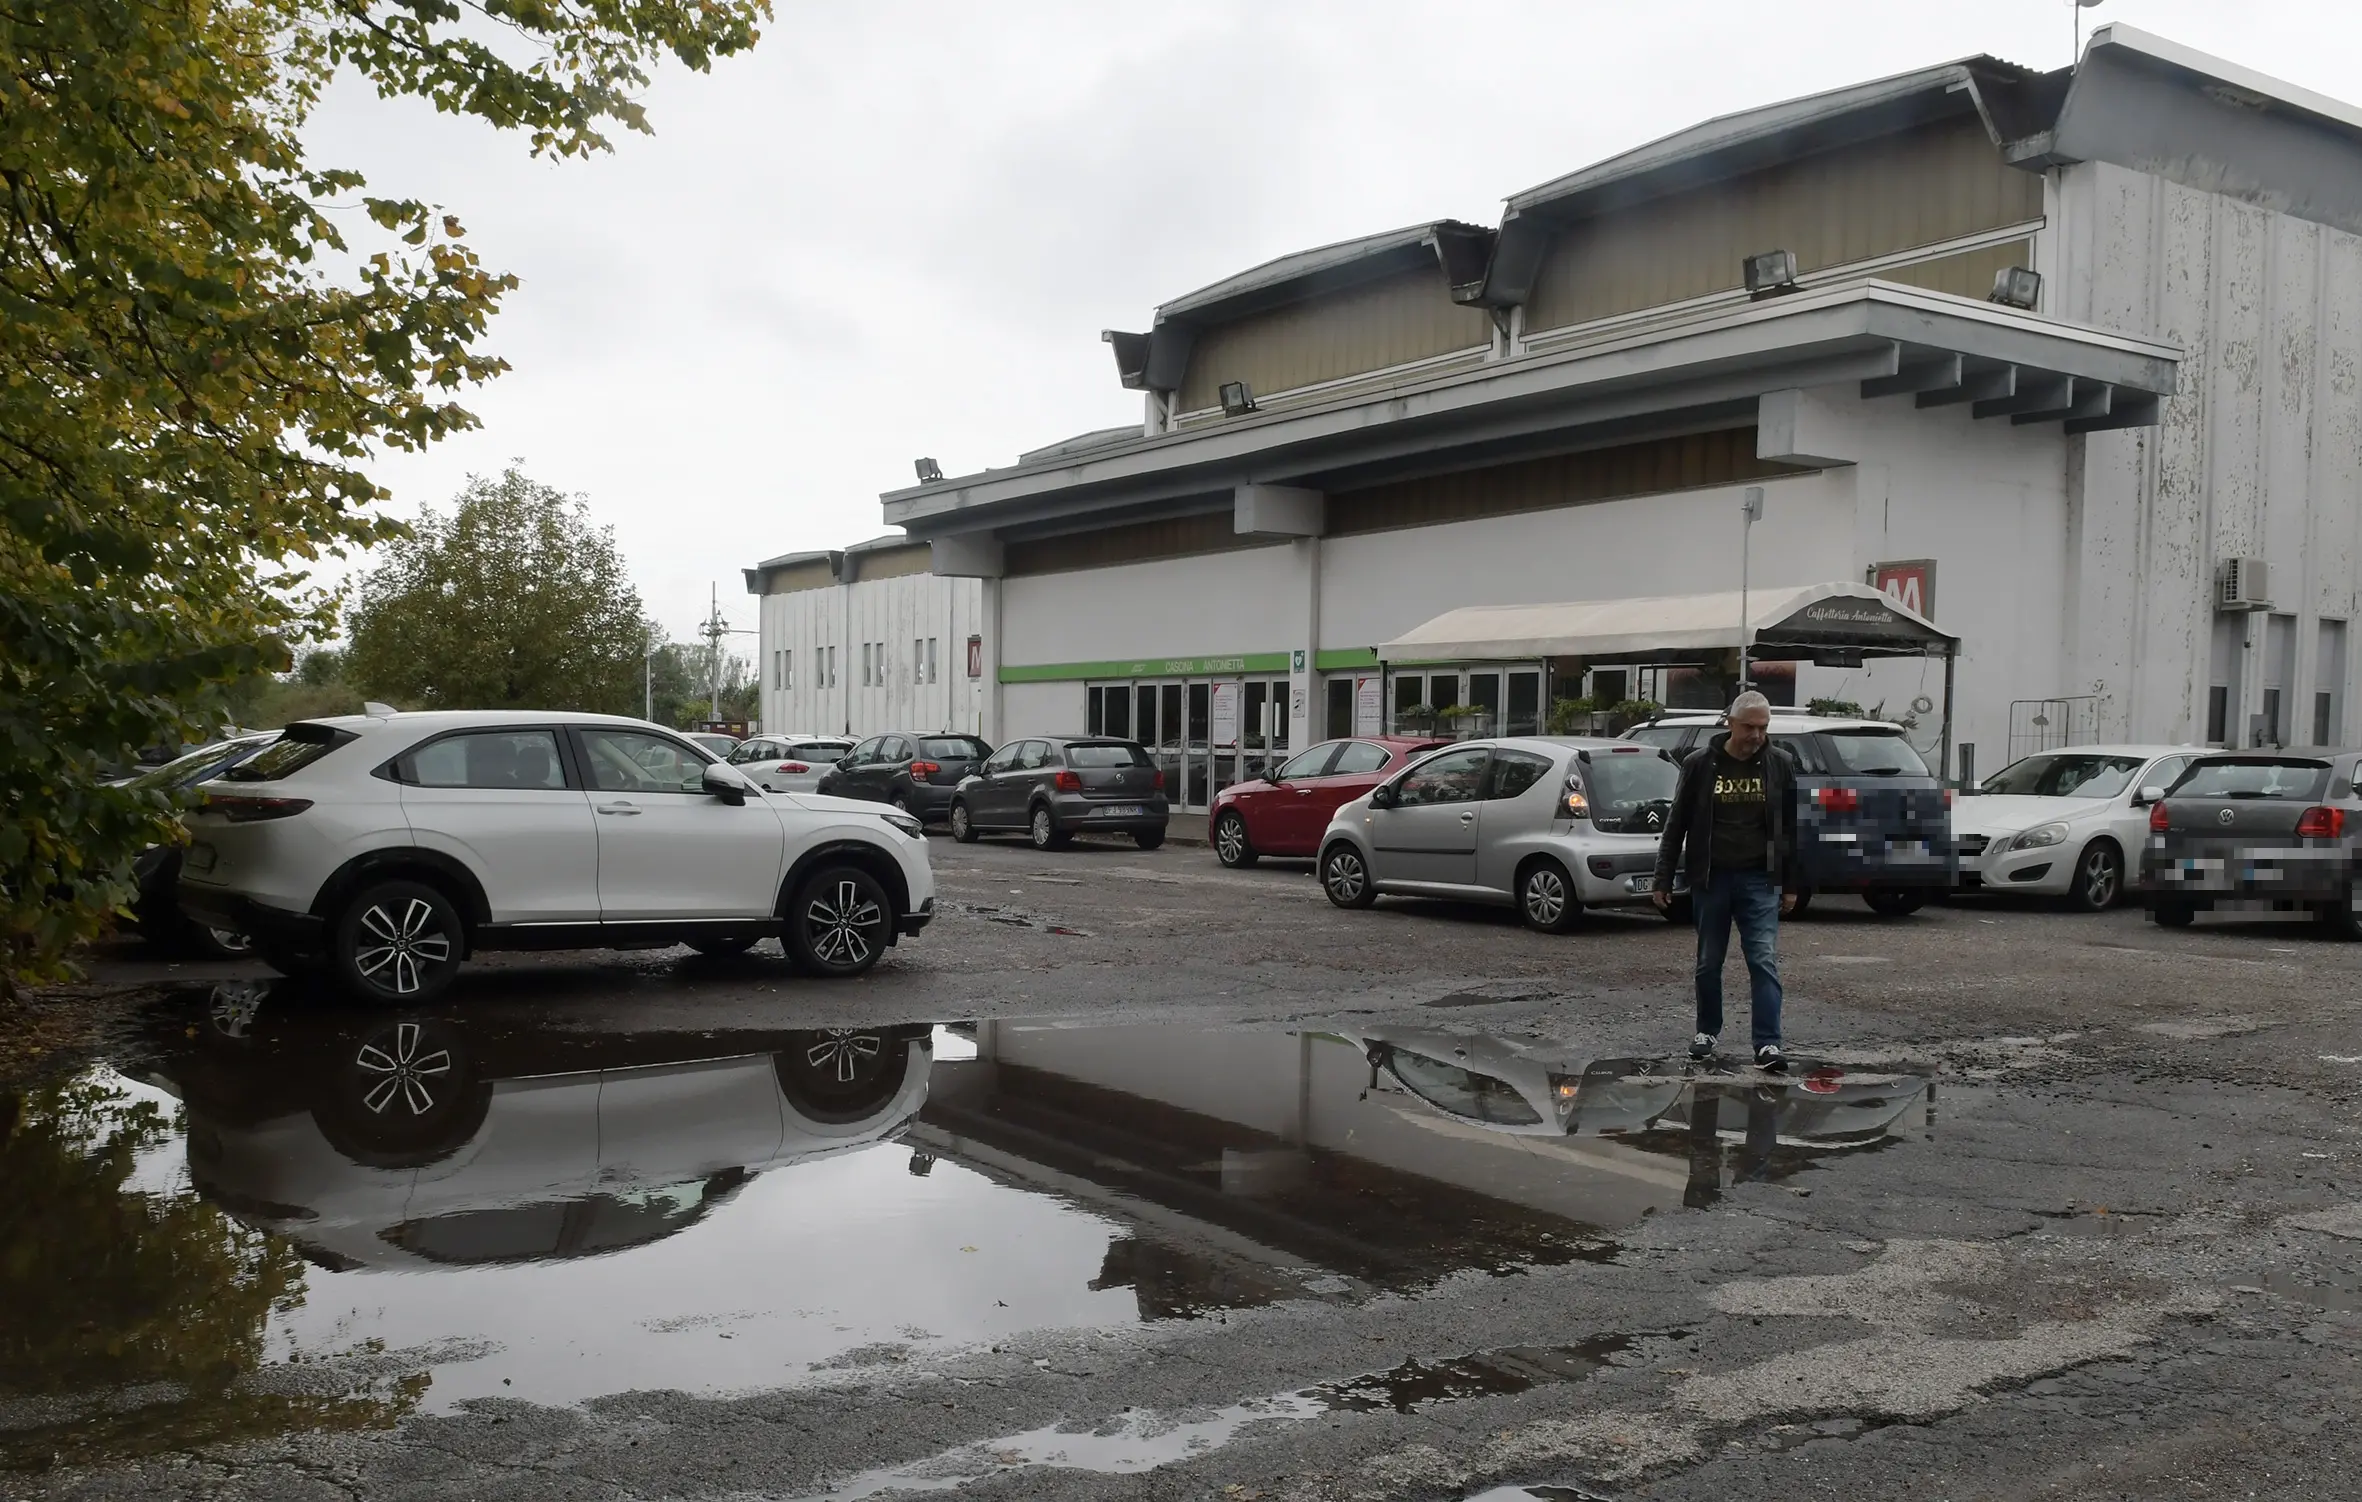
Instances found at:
x=1909 y=582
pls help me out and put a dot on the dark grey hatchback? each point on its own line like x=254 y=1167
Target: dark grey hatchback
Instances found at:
x=1055 y=787
x=2257 y=829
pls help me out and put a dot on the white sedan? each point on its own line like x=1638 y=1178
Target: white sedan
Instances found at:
x=789 y=763
x=2064 y=823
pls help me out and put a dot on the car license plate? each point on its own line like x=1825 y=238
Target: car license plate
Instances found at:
x=1122 y=811
x=199 y=858
x=1640 y=883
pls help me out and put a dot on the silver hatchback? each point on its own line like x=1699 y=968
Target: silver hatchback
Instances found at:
x=1548 y=825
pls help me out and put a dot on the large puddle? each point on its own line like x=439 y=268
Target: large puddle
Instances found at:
x=279 y=1213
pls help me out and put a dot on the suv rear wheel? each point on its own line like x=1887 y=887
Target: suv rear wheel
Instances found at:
x=839 y=920
x=397 y=941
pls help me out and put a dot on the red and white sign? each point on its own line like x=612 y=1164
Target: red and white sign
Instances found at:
x=1909 y=582
x=975 y=656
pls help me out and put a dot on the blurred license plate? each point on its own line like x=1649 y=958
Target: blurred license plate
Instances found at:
x=1640 y=883
x=199 y=858
x=1906 y=847
x=1122 y=811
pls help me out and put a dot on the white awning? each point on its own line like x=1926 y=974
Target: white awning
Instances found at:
x=1791 y=618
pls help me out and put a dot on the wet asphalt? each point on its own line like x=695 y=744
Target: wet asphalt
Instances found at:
x=2103 y=1237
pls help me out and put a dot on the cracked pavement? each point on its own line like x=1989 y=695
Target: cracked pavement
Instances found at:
x=2120 y=1259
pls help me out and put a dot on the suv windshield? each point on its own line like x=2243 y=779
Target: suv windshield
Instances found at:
x=2066 y=775
x=2305 y=780
x=1872 y=753
x=1106 y=754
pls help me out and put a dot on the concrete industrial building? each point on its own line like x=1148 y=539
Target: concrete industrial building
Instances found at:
x=864 y=639
x=2137 y=479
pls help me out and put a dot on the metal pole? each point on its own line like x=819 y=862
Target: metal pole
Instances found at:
x=1750 y=510
x=1944 y=768
x=648 y=685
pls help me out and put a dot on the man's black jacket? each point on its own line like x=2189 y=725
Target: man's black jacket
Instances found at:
x=1688 y=843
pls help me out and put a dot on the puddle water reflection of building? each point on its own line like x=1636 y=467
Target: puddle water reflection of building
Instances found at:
x=556 y=1214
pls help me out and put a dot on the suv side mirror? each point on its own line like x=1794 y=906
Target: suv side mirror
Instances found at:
x=724 y=783
x=2148 y=795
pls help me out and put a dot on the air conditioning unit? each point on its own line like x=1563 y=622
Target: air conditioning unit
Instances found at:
x=2242 y=584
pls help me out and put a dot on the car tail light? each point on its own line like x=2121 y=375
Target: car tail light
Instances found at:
x=1837 y=800
x=2321 y=824
x=243 y=810
x=1067 y=782
x=1577 y=806
x=1156 y=780
x=2159 y=820
x=1947 y=797
x=793 y=766
x=925 y=768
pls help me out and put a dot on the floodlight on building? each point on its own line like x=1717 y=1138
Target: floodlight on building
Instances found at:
x=929 y=471
x=1771 y=273
x=1238 y=398
x=2016 y=287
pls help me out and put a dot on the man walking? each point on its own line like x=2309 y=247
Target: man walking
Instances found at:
x=1732 y=834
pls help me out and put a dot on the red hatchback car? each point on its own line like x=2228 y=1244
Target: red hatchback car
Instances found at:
x=1285 y=813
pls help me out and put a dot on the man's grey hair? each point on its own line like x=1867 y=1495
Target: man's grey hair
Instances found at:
x=1745 y=702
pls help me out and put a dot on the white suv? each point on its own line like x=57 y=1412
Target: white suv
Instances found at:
x=391 y=846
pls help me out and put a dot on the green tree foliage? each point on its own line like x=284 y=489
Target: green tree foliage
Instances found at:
x=109 y=1288
x=512 y=601
x=205 y=335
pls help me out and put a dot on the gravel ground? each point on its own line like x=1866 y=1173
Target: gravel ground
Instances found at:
x=2122 y=1262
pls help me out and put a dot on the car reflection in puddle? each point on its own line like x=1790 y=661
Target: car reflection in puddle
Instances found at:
x=554 y=1214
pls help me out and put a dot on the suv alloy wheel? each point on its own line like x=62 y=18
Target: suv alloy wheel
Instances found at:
x=397 y=941
x=838 y=923
x=2099 y=877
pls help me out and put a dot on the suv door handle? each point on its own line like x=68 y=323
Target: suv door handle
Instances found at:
x=617 y=808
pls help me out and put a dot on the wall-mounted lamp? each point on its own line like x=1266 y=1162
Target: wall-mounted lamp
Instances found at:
x=2016 y=287
x=929 y=471
x=1238 y=398
x=1771 y=273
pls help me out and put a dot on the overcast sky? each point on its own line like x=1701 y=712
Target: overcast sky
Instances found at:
x=897 y=227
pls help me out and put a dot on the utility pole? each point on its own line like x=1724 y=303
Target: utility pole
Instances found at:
x=1751 y=510
x=716 y=631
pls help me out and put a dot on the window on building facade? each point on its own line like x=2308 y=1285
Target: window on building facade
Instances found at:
x=787 y=668
x=931 y=659
x=828 y=667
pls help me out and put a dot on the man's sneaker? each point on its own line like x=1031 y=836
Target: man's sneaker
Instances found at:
x=1770 y=1059
x=1702 y=1046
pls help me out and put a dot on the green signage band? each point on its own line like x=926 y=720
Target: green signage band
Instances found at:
x=1147 y=667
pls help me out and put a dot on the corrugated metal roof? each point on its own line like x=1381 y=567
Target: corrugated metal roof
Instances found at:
x=1306 y=265
x=1769 y=122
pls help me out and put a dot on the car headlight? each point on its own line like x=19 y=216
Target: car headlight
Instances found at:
x=905 y=823
x=2039 y=836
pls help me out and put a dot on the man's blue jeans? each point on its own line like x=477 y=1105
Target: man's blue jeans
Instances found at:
x=1748 y=899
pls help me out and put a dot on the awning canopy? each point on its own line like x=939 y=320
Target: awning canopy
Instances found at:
x=1790 y=621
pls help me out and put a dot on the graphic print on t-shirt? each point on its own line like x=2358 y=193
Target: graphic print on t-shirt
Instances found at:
x=1741 y=830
